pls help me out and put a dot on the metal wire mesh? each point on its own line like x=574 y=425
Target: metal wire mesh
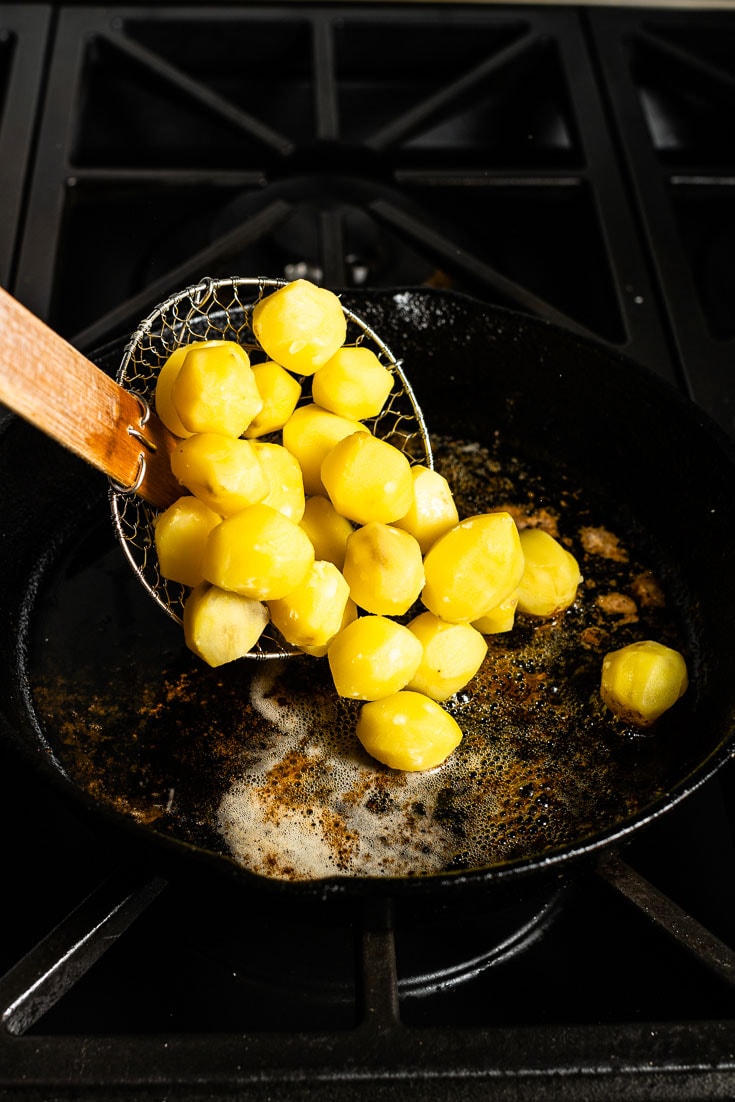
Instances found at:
x=221 y=309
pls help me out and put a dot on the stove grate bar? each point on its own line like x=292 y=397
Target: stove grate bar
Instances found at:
x=23 y=36
x=379 y=1058
x=333 y=270
x=127 y=314
x=55 y=964
x=627 y=1062
x=521 y=54
x=690 y=63
x=421 y=233
x=669 y=917
x=704 y=359
x=194 y=89
x=326 y=109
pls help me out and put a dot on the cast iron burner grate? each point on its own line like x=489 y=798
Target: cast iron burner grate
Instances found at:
x=462 y=147
x=674 y=81
x=23 y=34
x=385 y=1041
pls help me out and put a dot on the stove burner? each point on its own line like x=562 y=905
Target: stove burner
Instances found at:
x=300 y=235
x=323 y=228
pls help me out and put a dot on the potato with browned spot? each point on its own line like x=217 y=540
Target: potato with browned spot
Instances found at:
x=220 y=626
x=641 y=681
x=384 y=569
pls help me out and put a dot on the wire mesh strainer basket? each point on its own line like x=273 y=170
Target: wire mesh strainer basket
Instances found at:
x=221 y=309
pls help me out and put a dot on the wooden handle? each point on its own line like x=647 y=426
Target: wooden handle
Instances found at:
x=53 y=386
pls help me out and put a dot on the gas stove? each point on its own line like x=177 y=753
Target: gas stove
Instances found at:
x=574 y=164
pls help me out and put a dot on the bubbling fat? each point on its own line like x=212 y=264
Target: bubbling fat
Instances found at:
x=261 y=762
x=312 y=805
x=542 y=764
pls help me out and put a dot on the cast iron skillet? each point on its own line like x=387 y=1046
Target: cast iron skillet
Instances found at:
x=99 y=694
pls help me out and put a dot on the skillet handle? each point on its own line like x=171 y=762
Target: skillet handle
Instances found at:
x=53 y=386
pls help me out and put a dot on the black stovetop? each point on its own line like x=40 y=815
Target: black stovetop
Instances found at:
x=572 y=163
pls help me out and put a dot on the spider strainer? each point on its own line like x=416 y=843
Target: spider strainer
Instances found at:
x=221 y=309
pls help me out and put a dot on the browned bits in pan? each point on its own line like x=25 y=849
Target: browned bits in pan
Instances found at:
x=262 y=764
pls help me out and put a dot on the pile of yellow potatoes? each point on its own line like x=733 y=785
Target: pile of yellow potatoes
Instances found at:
x=331 y=534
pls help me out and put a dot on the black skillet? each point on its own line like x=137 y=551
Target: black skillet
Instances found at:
x=100 y=695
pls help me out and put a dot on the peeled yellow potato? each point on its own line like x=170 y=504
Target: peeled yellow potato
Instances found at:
x=327 y=529
x=164 y=384
x=222 y=471
x=215 y=389
x=498 y=619
x=367 y=479
x=310 y=434
x=432 y=511
x=279 y=393
x=220 y=627
x=373 y=657
x=408 y=731
x=452 y=655
x=286 y=483
x=353 y=383
x=180 y=535
x=322 y=649
x=300 y=326
x=259 y=553
x=550 y=574
x=312 y=613
x=473 y=567
x=383 y=568
x=642 y=681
